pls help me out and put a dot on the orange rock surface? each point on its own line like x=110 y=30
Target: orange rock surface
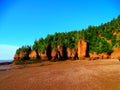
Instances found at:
x=82 y=47
x=43 y=56
x=33 y=55
x=116 y=53
x=54 y=54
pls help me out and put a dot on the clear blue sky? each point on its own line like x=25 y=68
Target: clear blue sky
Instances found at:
x=23 y=21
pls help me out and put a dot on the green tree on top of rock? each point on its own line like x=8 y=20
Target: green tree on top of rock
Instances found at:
x=95 y=36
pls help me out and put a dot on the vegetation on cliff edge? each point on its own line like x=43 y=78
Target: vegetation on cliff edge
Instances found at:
x=97 y=38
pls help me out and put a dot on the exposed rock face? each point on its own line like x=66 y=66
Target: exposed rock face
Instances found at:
x=23 y=55
x=74 y=53
x=54 y=54
x=33 y=55
x=60 y=52
x=69 y=53
x=94 y=56
x=16 y=57
x=82 y=47
x=103 y=56
x=43 y=56
x=116 y=53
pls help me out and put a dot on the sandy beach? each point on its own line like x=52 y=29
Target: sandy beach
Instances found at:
x=65 y=75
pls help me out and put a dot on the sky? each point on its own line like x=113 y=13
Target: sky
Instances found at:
x=24 y=21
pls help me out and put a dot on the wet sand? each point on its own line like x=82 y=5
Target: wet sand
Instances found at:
x=5 y=67
x=66 y=75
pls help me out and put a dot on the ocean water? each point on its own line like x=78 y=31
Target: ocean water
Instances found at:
x=2 y=61
x=5 y=67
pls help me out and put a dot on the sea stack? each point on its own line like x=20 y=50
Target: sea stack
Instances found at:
x=82 y=48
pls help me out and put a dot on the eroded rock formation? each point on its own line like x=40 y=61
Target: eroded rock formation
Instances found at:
x=116 y=53
x=43 y=56
x=94 y=56
x=23 y=55
x=69 y=53
x=33 y=55
x=103 y=56
x=16 y=57
x=74 y=53
x=54 y=54
x=60 y=52
x=82 y=49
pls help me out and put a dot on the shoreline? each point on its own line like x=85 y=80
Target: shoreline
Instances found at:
x=12 y=65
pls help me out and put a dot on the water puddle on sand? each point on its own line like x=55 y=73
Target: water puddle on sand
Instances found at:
x=5 y=67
